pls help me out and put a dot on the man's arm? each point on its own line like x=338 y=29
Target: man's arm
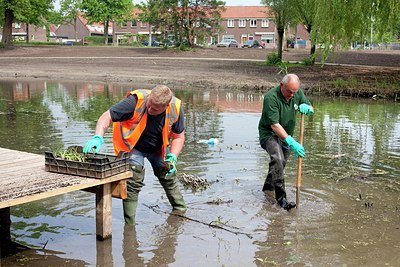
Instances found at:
x=279 y=131
x=103 y=123
x=178 y=140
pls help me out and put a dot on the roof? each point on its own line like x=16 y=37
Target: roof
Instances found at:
x=95 y=27
x=235 y=12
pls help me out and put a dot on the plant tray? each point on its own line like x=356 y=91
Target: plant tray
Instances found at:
x=96 y=165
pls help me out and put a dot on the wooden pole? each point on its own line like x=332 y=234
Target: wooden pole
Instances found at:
x=300 y=160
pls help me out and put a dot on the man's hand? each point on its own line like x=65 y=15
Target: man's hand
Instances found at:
x=95 y=142
x=306 y=109
x=295 y=146
x=171 y=160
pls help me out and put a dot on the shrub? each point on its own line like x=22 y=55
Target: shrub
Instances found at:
x=1 y=45
x=273 y=59
x=308 y=62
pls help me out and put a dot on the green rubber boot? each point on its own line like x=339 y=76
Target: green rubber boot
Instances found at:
x=171 y=187
x=129 y=210
x=134 y=185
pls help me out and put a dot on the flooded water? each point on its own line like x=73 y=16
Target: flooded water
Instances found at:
x=349 y=211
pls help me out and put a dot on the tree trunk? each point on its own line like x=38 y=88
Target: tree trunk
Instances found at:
x=75 y=30
x=106 y=32
x=280 y=42
x=27 y=33
x=150 y=36
x=313 y=46
x=7 y=30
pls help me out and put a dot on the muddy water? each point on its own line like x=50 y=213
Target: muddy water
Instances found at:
x=349 y=211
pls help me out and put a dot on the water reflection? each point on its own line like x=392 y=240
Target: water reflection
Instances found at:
x=352 y=162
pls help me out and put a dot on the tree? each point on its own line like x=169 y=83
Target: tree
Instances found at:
x=305 y=13
x=69 y=10
x=25 y=11
x=186 y=19
x=105 y=11
x=282 y=12
x=338 y=23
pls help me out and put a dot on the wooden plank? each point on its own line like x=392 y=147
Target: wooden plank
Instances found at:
x=119 y=189
x=103 y=212
x=86 y=183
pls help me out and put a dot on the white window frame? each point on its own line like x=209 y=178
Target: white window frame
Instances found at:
x=265 y=23
x=134 y=23
x=230 y=23
x=242 y=23
x=124 y=24
x=253 y=23
x=17 y=25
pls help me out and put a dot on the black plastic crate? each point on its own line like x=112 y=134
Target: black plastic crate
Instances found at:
x=96 y=165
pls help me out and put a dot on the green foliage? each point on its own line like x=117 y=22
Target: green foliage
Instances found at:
x=273 y=59
x=96 y=40
x=185 y=20
x=23 y=43
x=308 y=61
x=106 y=10
x=1 y=45
x=282 y=12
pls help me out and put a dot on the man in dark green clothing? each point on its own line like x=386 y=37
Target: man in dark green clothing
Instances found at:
x=277 y=122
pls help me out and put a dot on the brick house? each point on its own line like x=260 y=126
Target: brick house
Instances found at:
x=238 y=22
x=131 y=28
x=36 y=33
x=83 y=29
x=247 y=23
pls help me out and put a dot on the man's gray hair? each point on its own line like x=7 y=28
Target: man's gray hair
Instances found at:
x=161 y=95
x=290 y=78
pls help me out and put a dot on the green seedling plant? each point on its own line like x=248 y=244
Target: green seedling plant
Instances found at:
x=70 y=154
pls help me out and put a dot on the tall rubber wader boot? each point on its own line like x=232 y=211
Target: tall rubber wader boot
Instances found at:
x=134 y=185
x=171 y=187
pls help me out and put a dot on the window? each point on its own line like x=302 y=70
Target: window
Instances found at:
x=231 y=23
x=143 y=24
x=133 y=24
x=253 y=23
x=124 y=24
x=242 y=23
x=265 y=23
x=17 y=26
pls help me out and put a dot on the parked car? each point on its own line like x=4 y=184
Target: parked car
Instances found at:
x=252 y=44
x=228 y=43
x=153 y=43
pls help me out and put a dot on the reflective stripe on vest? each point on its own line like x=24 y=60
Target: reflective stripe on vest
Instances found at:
x=127 y=133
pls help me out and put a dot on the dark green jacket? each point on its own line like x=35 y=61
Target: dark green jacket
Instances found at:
x=277 y=110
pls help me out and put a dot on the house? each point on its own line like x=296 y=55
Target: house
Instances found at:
x=83 y=28
x=238 y=22
x=128 y=31
x=244 y=23
x=20 y=31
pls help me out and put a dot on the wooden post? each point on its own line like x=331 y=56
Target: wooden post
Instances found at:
x=103 y=212
x=300 y=160
x=5 y=236
x=104 y=255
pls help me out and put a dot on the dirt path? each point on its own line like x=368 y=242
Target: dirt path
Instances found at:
x=215 y=67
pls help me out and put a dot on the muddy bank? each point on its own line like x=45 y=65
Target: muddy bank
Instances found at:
x=376 y=73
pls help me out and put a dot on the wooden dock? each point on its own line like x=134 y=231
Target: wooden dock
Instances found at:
x=23 y=179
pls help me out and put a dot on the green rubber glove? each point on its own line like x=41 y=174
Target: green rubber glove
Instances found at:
x=171 y=160
x=95 y=142
x=295 y=146
x=306 y=109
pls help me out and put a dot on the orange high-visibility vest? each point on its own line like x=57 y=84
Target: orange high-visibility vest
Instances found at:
x=127 y=133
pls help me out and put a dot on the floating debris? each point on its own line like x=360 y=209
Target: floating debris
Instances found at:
x=193 y=181
x=219 y=201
